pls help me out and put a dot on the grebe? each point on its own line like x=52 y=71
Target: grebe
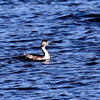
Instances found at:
x=46 y=55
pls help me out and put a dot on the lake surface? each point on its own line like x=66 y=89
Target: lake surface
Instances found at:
x=73 y=28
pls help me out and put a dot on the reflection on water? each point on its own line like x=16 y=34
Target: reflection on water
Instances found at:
x=46 y=62
x=72 y=72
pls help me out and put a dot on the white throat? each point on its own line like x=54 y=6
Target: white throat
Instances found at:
x=46 y=54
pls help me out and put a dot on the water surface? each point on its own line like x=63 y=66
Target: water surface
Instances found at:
x=73 y=27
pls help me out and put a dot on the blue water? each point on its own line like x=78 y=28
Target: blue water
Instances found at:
x=73 y=27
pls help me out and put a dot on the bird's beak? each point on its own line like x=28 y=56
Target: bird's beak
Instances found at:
x=49 y=43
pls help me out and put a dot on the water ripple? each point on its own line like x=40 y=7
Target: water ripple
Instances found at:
x=72 y=27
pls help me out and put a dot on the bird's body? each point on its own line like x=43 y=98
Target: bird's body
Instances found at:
x=46 y=55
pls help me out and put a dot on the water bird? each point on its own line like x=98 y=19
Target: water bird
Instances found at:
x=45 y=55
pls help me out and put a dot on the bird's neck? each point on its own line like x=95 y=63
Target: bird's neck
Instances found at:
x=46 y=54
